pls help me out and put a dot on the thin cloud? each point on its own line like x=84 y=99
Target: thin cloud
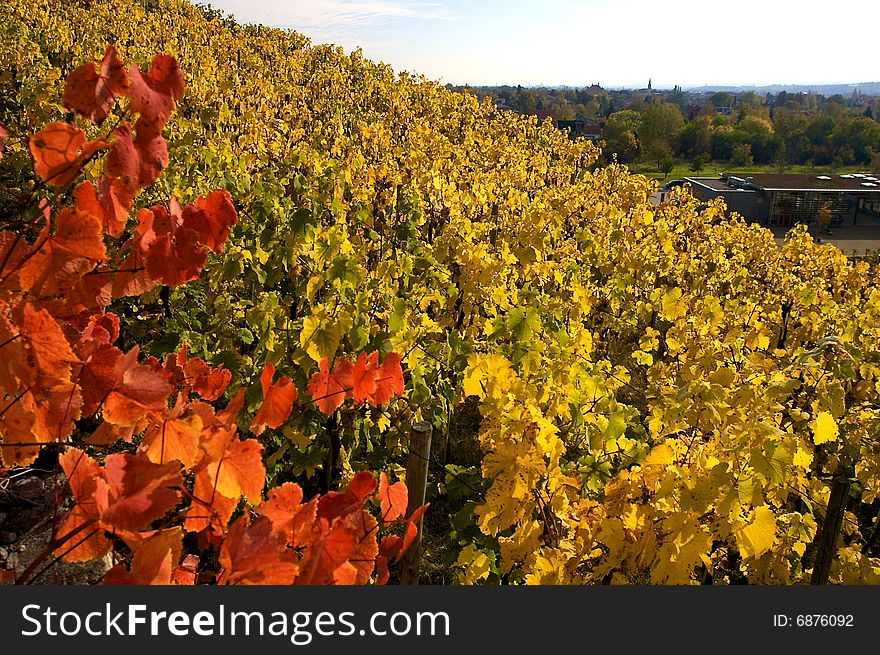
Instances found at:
x=332 y=15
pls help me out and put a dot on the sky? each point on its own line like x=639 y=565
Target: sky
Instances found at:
x=616 y=43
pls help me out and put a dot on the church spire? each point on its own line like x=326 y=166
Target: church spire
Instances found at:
x=649 y=84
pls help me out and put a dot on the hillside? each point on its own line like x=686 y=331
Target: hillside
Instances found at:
x=619 y=392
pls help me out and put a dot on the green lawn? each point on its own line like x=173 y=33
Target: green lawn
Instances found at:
x=713 y=169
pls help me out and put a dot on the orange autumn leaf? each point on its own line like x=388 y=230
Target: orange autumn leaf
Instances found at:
x=91 y=90
x=139 y=389
x=393 y=498
x=56 y=407
x=16 y=426
x=364 y=377
x=154 y=560
x=48 y=346
x=389 y=380
x=174 y=436
x=412 y=529
x=288 y=515
x=277 y=400
x=59 y=261
x=89 y=541
x=59 y=151
x=231 y=467
x=254 y=554
x=334 y=504
x=239 y=472
x=328 y=389
x=133 y=491
x=208 y=508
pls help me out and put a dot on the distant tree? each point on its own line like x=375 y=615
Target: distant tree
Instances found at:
x=722 y=143
x=665 y=165
x=620 y=133
x=721 y=99
x=662 y=123
x=823 y=216
x=699 y=162
x=742 y=155
x=781 y=159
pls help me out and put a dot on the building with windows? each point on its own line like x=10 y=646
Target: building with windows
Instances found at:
x=784 y=199
x=580 y=127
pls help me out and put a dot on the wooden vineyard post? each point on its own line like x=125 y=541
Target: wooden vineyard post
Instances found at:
x=826 y=541
x=416 y=481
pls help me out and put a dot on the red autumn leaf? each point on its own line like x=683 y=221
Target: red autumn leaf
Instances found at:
x=48 y=345
x=209 y=384
x=153 y=95
x=328 y=389
x=211 y=217
x=187 y=572
x=131 y=277
x=334 y=504
x=116 y=201
x=288 y=516
x=389 y=381
x=138 y=390
x=136 y=162
x=364 y=377
x=90 y=90
x=173 y=436
x=254 y=554
x=175 y=256
x=134 y=491
x=101 y=328
x=343 y=552
x=110 y=205
x=394 y=547
x=412 y=529
x=382 y=573
x=330 y=551
x=59 y=151
x=392 y=498
x=98 y=376
x=277 y=400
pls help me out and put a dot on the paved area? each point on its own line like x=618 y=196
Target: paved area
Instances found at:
x=863 y=238
x=859 y=239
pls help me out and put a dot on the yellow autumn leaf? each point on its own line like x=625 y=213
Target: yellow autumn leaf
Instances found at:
x=824 y=428
x=672 y=305
x=757 y=537
x=474 y=565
